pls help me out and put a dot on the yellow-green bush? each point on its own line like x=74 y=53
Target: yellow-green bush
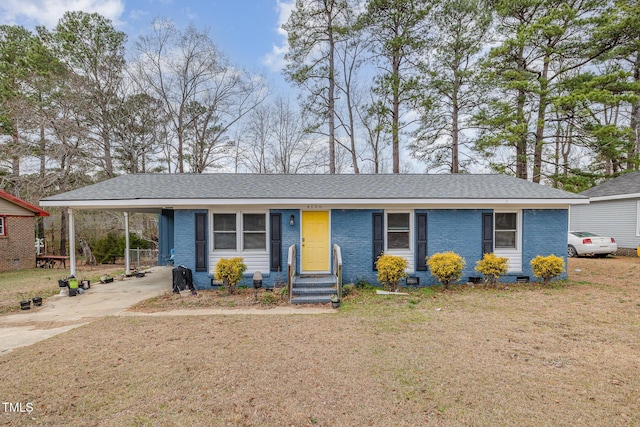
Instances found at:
x=391 y=269
x=229 y=271
x=447 y=267
x=547 y=267
x=492 y=267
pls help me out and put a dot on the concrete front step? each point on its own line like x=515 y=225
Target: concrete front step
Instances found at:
x=313 y=299
x=313 y=289
x=314 y=281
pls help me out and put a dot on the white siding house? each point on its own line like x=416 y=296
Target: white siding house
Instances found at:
x=613 y=210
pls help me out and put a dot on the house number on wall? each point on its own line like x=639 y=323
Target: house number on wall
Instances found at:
x=314 y=206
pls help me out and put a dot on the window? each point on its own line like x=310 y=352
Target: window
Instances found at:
x=398 y=231
x=3 y=229
x=254 y=231
x=506 y=230
x=224 y=231
x=240 y=232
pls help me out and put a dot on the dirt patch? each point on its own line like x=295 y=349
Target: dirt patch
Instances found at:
x=243 y=297
x=513 y=356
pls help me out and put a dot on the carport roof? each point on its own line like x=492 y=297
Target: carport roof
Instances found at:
x=201 y=189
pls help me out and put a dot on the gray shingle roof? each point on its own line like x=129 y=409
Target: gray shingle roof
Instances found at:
x=253 y=186
x=629 y=183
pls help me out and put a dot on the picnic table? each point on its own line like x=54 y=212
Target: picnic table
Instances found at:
x=50 y=261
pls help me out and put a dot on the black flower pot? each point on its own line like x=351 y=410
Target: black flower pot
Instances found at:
x=37 y=301
x=25 y=305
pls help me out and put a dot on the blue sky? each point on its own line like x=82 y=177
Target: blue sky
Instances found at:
x=247 y=31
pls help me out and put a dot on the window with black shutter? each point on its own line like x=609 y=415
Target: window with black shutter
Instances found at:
x=378 y=237
x=201 y=242
x=276 y=242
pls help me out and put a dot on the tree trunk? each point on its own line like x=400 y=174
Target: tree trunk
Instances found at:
x=331 y=94
x=542 y=110
x=455 y=130
x=395 y=123
x=632 y=158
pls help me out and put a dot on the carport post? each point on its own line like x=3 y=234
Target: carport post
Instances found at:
x=126 y=245
x=72 y=243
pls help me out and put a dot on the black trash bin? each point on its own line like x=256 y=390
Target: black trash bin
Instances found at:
x=182 y=279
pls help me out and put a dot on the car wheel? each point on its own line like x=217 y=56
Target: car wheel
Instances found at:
x=571 y=252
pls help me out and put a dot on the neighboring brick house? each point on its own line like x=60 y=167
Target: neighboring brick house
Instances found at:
x=17 y=232
x=265 y=219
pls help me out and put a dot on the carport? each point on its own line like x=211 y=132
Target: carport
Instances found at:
x=89 y=200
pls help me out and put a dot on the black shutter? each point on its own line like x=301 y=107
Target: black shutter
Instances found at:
x=276 y=242
x=201 y=242
x=421 y=232
x=378 y=237
x=487 y=233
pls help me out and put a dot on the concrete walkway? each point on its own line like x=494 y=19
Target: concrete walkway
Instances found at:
x=60 y=314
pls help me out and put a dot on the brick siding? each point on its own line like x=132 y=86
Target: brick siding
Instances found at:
x=17 y=250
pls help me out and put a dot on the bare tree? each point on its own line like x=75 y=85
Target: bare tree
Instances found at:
x=202 y=94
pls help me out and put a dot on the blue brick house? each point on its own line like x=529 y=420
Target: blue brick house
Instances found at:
x=322 y=219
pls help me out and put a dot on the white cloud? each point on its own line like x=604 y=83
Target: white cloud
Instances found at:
x=47 y=12
x=274 y=60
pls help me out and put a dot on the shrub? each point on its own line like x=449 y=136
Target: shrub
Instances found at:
x=229 y=271
x=110 y=247
x=269 y=298
x=492 y=267
x=348 y=289
x=447 y=267
x=547 y=267
x=363 y=284
x=391 y=269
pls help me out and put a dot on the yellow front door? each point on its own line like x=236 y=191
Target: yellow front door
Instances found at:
x=315 y=241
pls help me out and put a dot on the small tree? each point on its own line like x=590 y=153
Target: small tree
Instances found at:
x=447 y=267
x=229 y=271
x=391 y=269
x=547 y=267
x=492 y=267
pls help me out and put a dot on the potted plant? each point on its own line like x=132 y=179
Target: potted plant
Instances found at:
x=335 y=301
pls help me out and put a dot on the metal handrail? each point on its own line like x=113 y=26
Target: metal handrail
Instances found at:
x=337 y=268
x=291 y=270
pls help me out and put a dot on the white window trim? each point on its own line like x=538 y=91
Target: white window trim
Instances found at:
x=518 y=247
x=514 y=255
x=3 y=226
x=240 y=233
x=411 y=231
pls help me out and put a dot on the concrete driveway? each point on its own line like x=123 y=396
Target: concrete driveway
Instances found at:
x=62 y=313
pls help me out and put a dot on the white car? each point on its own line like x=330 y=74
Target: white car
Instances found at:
x=586 y=243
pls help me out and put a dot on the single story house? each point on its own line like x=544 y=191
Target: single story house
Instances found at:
x=17 y=232
x=317 y=223
x=613 y=210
